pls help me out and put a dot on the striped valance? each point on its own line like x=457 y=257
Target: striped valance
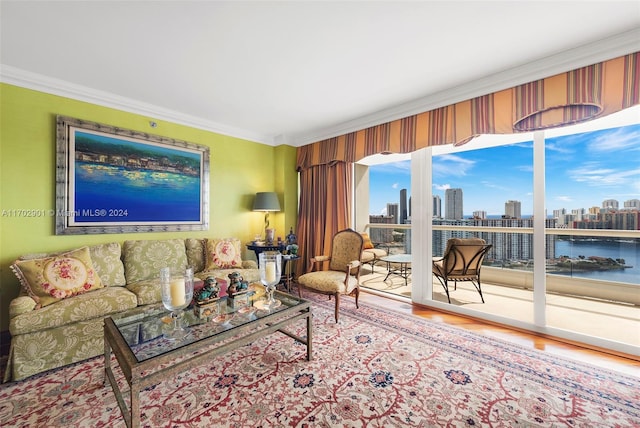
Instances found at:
x=567 y=98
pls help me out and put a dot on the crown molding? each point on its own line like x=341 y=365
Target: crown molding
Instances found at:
x=612 y=47
x=592 y=53
x=38 y=82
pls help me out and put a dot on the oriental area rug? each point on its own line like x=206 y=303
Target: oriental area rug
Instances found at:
x=376 y=368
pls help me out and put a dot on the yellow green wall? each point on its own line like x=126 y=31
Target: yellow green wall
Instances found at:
x=238 y=169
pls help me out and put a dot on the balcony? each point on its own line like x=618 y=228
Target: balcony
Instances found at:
x=595 y=307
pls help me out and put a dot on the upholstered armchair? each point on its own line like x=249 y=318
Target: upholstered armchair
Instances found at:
x=343 y=275
x=462 y=261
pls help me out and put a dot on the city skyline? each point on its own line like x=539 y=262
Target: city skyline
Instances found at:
x=582 y=171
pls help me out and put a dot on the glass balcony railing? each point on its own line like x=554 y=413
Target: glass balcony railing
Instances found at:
x=604 y=264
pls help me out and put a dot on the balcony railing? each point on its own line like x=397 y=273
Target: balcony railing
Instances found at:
x=575 y=274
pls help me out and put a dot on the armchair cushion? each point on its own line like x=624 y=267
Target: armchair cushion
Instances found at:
x=329 y=281
x=51 y=279
x=374 y=253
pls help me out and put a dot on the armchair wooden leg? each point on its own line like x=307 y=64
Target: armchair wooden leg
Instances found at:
x=337 y=306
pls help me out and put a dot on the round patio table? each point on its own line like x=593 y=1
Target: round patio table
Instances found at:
x=398 y=264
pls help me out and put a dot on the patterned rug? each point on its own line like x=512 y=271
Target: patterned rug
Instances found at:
x=376 y=368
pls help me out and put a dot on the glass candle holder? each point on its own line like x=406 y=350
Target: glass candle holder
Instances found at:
x=177 y=293
x=270 y=273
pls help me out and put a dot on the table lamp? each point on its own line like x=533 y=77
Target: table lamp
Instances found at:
x=267 y=202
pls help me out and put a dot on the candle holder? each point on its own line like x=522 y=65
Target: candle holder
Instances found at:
x=270 y=272
x=177 y=293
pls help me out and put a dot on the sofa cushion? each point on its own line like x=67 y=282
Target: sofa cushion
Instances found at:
x=143 y=259
x=50 y=279
x=107 y=261
x=147 y=291
x=196 y=249
x=224 y=254
x=98 y=303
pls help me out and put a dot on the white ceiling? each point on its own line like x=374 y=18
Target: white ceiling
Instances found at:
x=295 y=72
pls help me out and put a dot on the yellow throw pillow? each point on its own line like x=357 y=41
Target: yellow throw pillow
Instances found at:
x=50 y=279
x=367 y=244
x=224 y=254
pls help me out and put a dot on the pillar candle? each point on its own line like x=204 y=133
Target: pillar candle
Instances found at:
x=270 y=272
x=177 y=292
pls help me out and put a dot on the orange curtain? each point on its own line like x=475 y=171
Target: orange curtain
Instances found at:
x=325 y=207
x=567 y=98
x=575 y=96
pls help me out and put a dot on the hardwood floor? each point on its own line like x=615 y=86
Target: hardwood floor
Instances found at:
x=626 y=364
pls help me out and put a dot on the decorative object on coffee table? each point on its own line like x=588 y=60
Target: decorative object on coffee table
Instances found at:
x=270 y=271
x=238 y=291
x=207 y=298
x=177 y=293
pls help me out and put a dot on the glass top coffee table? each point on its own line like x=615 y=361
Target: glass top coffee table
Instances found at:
x=398 y=264
x=146 y=357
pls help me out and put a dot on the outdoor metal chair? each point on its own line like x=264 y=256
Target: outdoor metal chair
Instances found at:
x=462 y=261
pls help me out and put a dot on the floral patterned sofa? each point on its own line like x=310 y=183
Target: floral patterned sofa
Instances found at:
x=58 y=318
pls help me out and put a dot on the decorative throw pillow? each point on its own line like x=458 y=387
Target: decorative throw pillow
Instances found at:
x=50 y=279
x=367 y=244
x=224 y=254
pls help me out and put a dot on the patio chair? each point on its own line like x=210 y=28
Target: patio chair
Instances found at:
x=462 y=261
x=343 y=275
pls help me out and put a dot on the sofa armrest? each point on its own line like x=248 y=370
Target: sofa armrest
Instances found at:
x=21 y=305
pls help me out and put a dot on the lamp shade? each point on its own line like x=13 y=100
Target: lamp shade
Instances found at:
x=266 y=201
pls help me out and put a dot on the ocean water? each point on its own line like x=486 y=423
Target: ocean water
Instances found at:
x=629 y=250
x=108 y=194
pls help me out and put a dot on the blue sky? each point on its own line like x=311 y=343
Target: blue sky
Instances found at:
x=582 y=170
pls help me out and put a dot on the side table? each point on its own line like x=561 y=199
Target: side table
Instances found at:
x=288 y=270
x=266 y=247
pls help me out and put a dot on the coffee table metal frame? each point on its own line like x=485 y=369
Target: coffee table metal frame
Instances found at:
x=404 y=269
x=142 y=374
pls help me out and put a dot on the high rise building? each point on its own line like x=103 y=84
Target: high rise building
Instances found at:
x=579 y=213
x=594 y=211
x=392 y=211
x=403 y=207
x=453 y=204
x=610 y=204
x=437 y=207
x=559 y=213
x=479 y=214
x=379 y=235
x=512 y=209
x=632 y=204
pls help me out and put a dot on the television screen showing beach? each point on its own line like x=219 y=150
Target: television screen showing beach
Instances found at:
x=120 y=180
